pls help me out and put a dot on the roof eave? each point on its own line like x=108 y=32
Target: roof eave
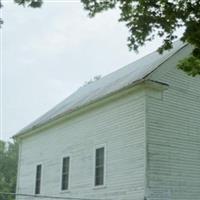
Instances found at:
x=150 y=83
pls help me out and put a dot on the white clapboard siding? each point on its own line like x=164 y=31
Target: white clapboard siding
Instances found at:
x=118 y=124
x=173 y=135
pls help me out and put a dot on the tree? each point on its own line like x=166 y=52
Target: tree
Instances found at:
x=30 y=3
x=8 y=168
x=1 y=22
x=146 y=19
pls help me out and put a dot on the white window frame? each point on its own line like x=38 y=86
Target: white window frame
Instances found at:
x=69 y=176
x=41 y=178
x=94 y=166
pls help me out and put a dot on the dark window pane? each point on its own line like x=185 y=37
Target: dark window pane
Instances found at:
x=100 y=161
x=100 y=156
x=99 y=166
x=99 y=172
x=100 y=152
x=64 y=182
x=38 y=179
x=65 y=168
x=99 y=181
x=65 y=173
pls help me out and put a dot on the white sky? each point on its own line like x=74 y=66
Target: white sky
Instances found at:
x=48 y=53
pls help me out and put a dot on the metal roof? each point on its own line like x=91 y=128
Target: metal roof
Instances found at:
x=113 y=82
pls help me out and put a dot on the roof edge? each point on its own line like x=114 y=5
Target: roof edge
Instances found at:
x=144 y=79
x=182 y=47
x=58 y=117
x=149 y=83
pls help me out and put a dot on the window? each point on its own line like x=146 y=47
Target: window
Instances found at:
x=99 y=166
x=38 y=179
x=65 y=173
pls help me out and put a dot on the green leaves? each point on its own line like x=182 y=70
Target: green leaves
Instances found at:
x=8 y=168
x=146 y=19
x=1 y=21
x=190 y=65
x=31 y=3
x=95 y=6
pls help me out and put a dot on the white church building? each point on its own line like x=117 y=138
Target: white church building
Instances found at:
x=132 y=135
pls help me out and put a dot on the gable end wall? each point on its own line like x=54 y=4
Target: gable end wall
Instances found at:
x=173 y=134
